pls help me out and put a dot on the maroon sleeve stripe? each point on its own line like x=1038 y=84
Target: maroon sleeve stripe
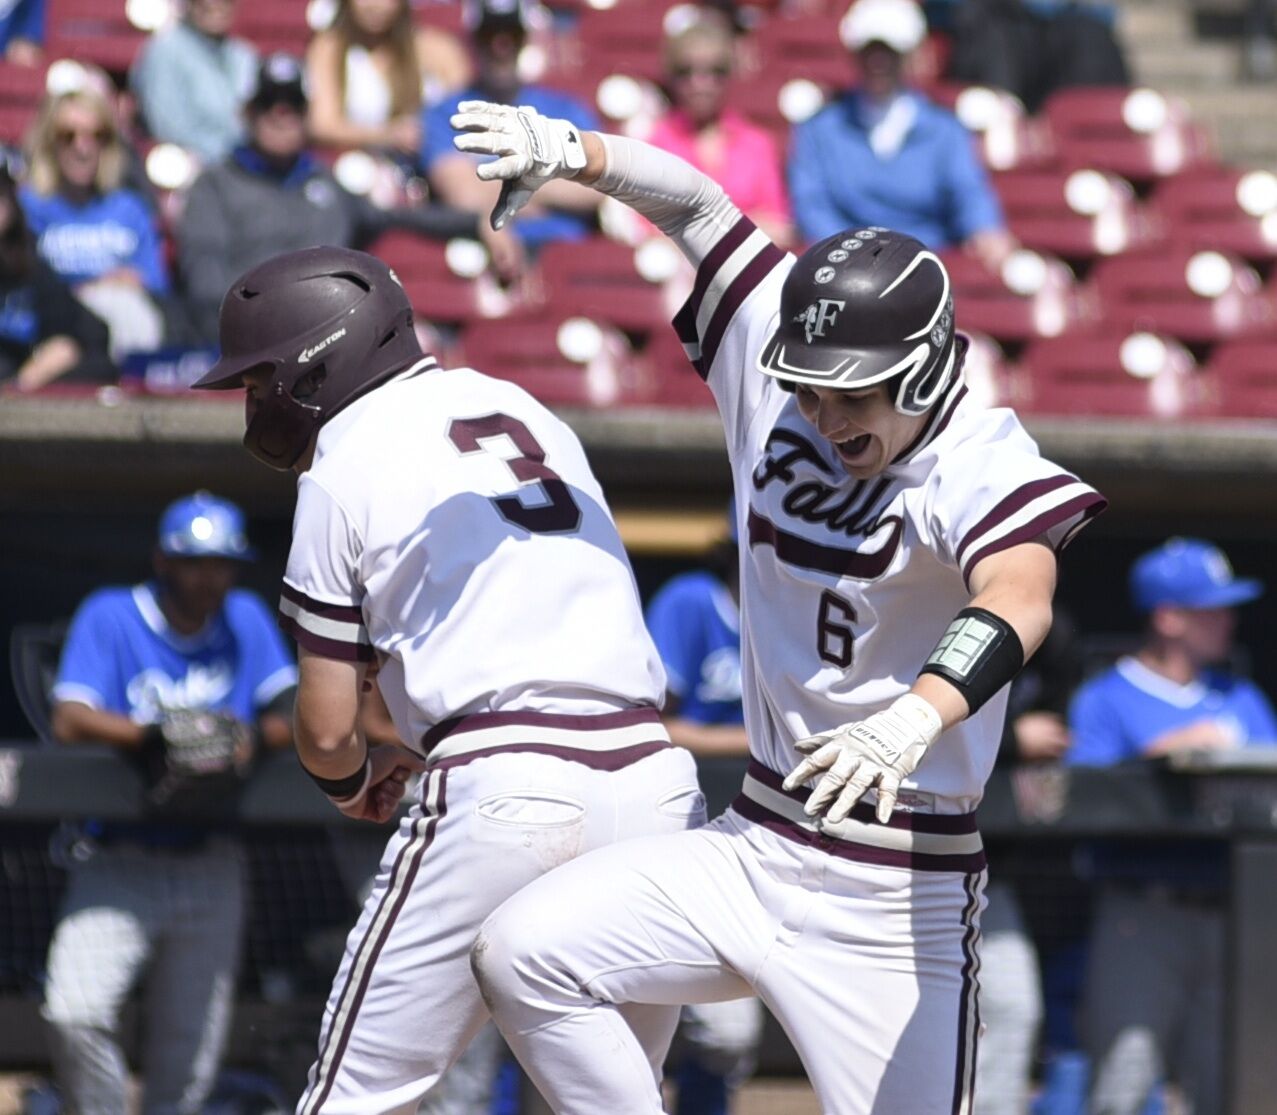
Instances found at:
x=325 y=648
x=719 y=254
x=685 y=328
x=344 y=613
x=1016 y=501
x=734 y=297
x=1088 y=505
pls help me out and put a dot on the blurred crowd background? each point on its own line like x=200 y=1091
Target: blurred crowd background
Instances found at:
x=1099 y=178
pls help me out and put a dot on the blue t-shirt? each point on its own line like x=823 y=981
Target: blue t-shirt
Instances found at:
x=1117 y=716
x=21 y=19
x=121 y=656
x=84 y=242
x=695 y=625
x=436 y=142
x=1122 y=712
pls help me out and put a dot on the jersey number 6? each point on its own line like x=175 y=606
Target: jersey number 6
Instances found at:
x=835 y=639
x=560 y=515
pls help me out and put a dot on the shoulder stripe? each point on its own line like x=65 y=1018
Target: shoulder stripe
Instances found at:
x=331 y=630
x=1083 y=505
x=1011 y=505
x=350 y=613
x=733 y=296
x=718 y=255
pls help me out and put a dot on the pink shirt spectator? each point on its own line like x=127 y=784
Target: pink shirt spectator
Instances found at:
x=749 y=167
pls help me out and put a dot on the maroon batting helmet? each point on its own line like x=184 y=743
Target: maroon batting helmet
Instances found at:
x=329 y=324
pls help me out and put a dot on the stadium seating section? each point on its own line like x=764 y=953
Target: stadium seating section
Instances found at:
x=1135 y=240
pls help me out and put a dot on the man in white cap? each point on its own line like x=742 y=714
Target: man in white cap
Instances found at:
x=882 y=153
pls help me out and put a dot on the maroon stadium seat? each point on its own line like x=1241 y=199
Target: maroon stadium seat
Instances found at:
x=596 y=278
x=436 y=292
x=1197 y=296
x=527 y=351
x=1033 y=296
x=1229 y=209
x=669 y=380
x=1139 y=134
x=1079 y=215
x=1244 y=377
x=1095 y=376
x=96 y=31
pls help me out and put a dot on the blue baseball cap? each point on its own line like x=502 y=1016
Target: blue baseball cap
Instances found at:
x=1189 y=573
x=201 y=525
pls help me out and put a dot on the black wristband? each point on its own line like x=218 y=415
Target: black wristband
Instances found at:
x=978 y=654
x=340 y=788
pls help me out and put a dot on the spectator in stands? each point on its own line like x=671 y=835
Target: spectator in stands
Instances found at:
x=884 y=154
x=702 y=128
x=1033 y=47
x=22 y=31
x=192 y=78
x=46 y=334
x=561 y=210
x=371 y=72
x=271 y=196
x=694 y=620
x=99 y=236
x=1153 y=998
x=158 y=900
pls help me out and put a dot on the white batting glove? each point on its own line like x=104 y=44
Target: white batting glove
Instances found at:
x=879 y=751
x=533 y=149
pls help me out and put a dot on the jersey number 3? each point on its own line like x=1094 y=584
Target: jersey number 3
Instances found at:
x=560 y=514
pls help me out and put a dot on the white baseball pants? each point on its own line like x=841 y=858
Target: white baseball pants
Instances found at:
x=176 y=917
x=868 y=963
x=404 y=1002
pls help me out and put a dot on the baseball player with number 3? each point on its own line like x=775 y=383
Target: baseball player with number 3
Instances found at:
x=898 y=561
x=450 y=535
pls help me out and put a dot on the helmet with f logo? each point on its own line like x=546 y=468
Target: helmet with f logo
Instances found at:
x=867 y=306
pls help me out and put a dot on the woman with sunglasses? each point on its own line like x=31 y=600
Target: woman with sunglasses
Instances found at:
x=46 y=335
x=99 y=236
x=716 y=139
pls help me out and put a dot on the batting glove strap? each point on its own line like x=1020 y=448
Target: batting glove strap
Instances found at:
x=879 y=751
x=345 y=791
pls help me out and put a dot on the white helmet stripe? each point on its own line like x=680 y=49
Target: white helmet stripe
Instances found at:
x=944 y=293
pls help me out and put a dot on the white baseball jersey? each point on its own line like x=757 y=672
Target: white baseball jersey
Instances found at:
x=847 y=585
x=451 y=527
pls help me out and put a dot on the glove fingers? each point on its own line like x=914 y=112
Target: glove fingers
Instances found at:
x=852 y=793
x=485 y=108
x=812 y=765
x=811 y=743
x=512 y=166
x=827 y=788
x=887 y=790
x=483 y=143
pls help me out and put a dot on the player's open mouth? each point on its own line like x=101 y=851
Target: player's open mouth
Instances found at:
x=851 y=448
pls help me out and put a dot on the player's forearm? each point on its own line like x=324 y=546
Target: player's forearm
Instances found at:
x=73 y=722
x=1013 y=590
x=683 y=203
x=707 y=739
x=326 y=728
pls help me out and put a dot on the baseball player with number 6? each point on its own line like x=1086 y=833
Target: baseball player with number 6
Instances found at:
x=450 y=535
x=898 y=562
